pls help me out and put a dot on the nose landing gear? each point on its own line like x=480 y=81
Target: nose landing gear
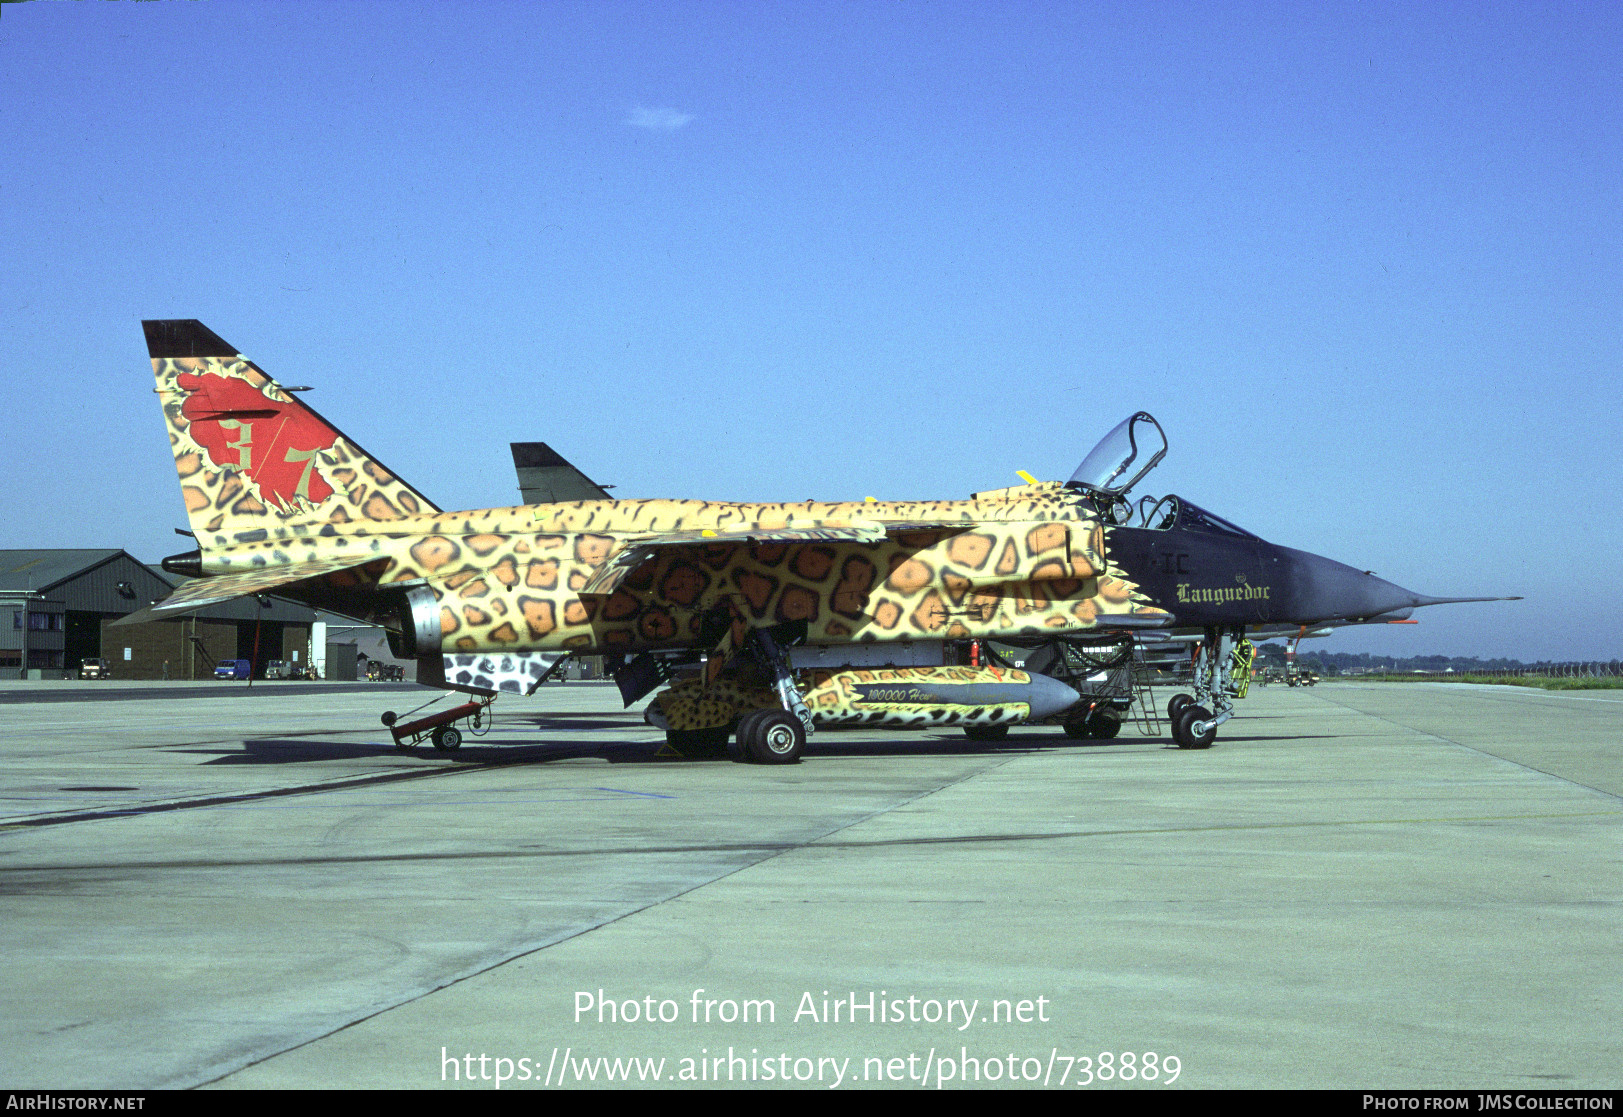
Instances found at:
x=1195 y=719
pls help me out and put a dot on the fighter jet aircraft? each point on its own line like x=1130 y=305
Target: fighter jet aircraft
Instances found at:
x=280 y=500
x=768 y=619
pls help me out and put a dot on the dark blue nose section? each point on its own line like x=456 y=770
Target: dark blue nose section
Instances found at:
x=1325 y=590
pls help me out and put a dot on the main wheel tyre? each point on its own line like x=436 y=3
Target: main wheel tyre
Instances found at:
x=1183 y=730
x=1079 y=726
x=775 y=737
x=1176 y=706
x=986 y=732
x=739 y=747
x=447 y=738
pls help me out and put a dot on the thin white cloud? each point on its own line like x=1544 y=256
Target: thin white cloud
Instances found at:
x=658 y=120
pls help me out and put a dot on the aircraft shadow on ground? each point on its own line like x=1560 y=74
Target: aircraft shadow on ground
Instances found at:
x=511 y=749
x=287 y=750
x=581 y=722
x=946 y=744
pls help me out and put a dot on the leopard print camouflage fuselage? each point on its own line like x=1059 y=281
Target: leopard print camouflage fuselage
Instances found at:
x=1026 y=561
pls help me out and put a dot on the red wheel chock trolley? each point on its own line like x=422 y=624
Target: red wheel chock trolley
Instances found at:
x=439 y=728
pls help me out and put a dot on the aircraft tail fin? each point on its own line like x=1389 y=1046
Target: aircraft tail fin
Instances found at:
x=546 y=476
x=250 y=454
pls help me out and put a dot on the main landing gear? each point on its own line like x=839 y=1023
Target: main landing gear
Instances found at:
x=1195 y=719
x=773 y=736
x=762 y=735
x=768 y=737
x=1098 y=723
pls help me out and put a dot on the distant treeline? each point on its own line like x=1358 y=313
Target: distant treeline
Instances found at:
x=1340 y=663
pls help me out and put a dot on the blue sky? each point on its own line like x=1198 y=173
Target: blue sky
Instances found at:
x=1362 y=261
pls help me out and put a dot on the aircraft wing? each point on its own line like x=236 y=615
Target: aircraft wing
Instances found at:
x=644 y=548
x=1145 y=620
x=199 y=593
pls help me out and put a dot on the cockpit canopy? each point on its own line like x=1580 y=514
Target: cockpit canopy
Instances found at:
x=1168 y=512
x=1120 y=461
x=1122 y=457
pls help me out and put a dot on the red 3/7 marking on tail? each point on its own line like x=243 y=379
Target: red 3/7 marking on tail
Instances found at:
x=273 y=444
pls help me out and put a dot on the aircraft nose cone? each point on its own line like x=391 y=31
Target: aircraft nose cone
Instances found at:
x=1330 y=590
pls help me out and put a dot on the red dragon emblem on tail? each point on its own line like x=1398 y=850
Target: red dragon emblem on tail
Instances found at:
x=270 y=443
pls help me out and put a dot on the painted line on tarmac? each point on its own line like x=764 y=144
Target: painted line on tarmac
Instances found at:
x=1473 y=748
x=245 y=797
x=773 y=848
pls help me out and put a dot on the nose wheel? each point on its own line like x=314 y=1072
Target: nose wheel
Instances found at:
x=1185 y=731
x=1195 y=719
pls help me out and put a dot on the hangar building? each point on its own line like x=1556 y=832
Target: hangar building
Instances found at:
x=62 y=602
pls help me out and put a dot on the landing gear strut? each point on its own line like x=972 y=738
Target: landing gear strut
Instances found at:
x=774 y=736
x=1195 y=720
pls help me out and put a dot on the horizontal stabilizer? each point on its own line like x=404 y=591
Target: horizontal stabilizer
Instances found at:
x=200 y=593
x=546 y=477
